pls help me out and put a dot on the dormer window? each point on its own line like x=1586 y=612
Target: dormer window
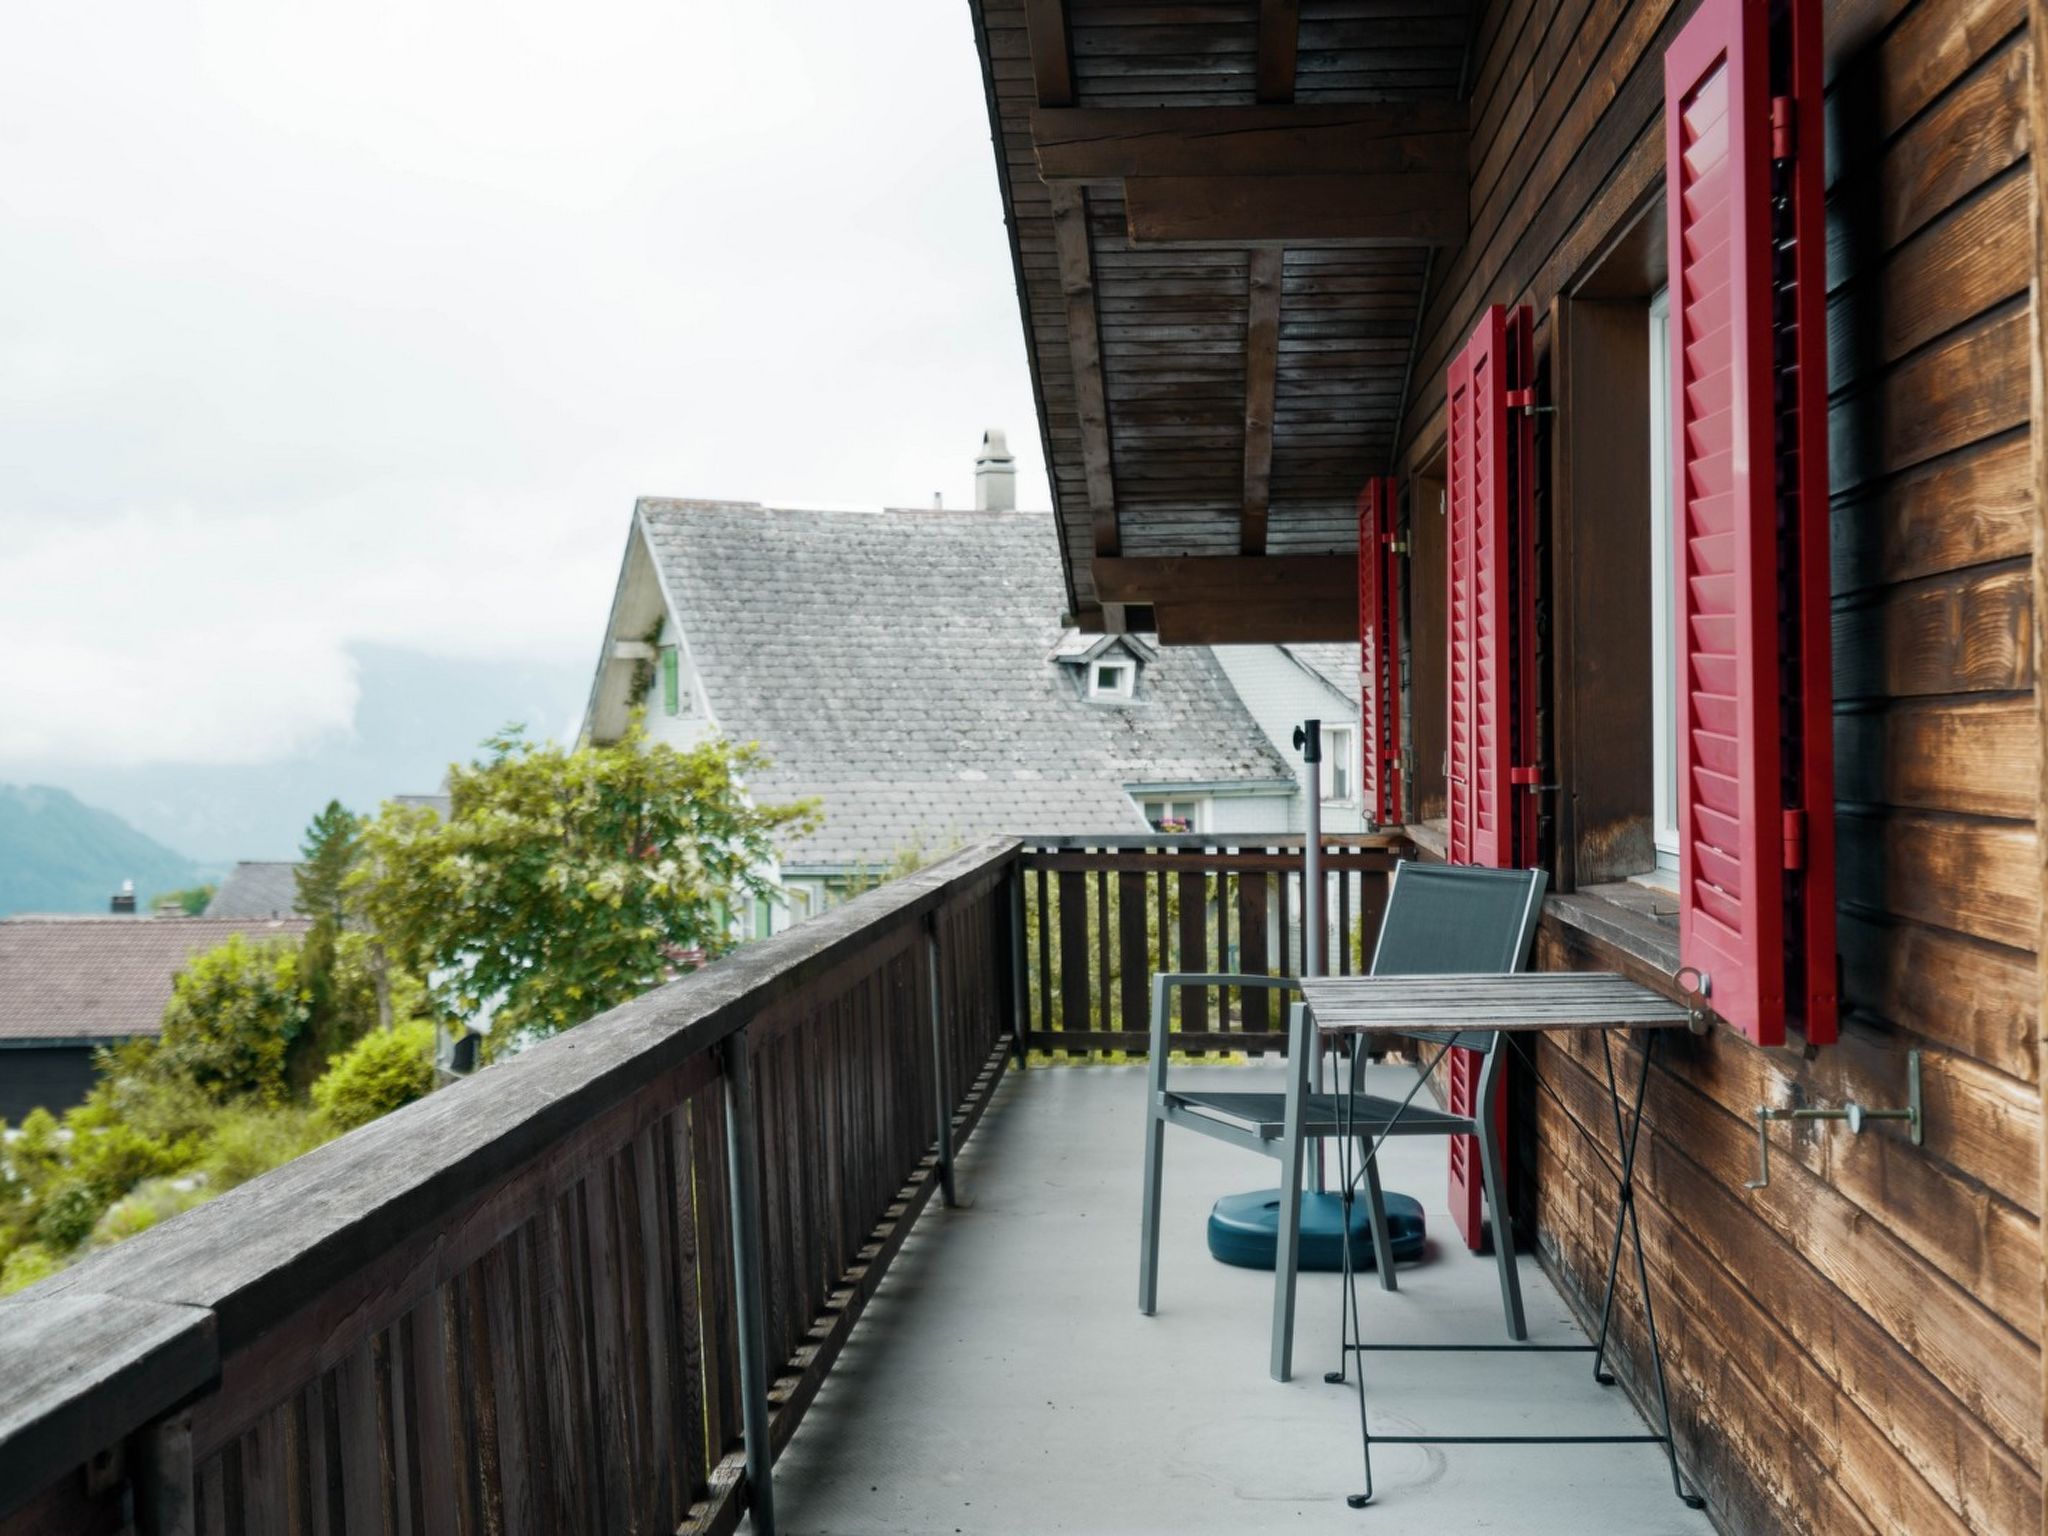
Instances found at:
x=1103 y=669
x=1112 y=679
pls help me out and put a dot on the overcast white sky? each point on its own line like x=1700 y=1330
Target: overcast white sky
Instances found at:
x=365 y=322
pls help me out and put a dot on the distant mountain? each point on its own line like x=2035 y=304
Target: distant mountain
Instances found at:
x=58 y=854
x=418 y=713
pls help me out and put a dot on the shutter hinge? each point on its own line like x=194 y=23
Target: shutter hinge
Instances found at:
x=1784 y=128
x=1795 y=839
x=1394 y=546
x=1524 y=400
x=1530 y=776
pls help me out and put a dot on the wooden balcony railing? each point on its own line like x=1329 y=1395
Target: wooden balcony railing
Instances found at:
x=594 y=1286
x=519 y=1304
x=1103 y=915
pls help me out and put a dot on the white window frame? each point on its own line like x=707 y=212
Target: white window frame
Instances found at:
x=1158 y=808
x=1126 y=679
x=1664 y=710
x=1340 y=750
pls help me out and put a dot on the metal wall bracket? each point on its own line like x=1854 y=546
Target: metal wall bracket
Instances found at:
x=1853 y=1113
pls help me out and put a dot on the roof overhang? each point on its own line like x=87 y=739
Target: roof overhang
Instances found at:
x=1224 y=224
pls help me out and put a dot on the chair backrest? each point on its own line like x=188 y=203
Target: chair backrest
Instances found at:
x=1451 y=920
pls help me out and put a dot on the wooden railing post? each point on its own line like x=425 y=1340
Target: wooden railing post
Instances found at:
x=942 y=1075
x=750 y=1279
x=1020 y=963
x=164 y=1502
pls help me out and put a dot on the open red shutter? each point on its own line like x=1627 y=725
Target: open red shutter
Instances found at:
x=1371 y=642
x=1492 y=830
x=1749 y=366
x=1390 y=803
x=1460 y=411
x=1379 y=651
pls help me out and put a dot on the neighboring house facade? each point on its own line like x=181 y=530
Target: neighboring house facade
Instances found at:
x=909 y=671
x=1283 y=685
x=70 y=985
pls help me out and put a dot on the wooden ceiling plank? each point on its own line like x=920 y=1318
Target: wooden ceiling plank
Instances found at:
x=1084 y=350
x=1052 y=66
x=1279 y=42
x=1403 y=209
x=1111 y=143
x=1289 y=623
x=1261 y=382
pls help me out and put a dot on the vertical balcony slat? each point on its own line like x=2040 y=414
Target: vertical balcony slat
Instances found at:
x=1133 y=951
x=1254 y=1004
x=1104 y=1015
x=1194 y=948
x=1073 y=889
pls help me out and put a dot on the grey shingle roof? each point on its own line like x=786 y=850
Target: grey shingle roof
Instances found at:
x=896 y=663
x=1335 y=664
x=104 y=978
x=257 y=889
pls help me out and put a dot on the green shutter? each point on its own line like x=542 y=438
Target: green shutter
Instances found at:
x=670 y=680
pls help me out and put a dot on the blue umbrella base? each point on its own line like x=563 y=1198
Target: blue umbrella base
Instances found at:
x=1244 y=1229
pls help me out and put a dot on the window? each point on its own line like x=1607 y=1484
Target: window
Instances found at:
x=1111 y=680
x=1340 y=762
x=1174 y=815
x=671 y=681
x=1663 y=661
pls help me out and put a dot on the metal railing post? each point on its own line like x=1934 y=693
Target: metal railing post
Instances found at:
x=942 y=1076
x=1309 y=737
x=750 y=1281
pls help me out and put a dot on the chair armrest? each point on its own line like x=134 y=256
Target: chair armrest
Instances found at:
x=1227 y=979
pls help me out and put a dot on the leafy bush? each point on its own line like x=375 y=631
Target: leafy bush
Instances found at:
x=247 y=1142
x=233 y=1014
x=377 y=1074
x=67 y=1215
x=111 y=1159
x=147 y=1204
x=25 y=1266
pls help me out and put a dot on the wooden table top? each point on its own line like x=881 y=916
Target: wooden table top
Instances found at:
x=1523 y=1000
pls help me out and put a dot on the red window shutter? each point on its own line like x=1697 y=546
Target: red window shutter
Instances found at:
x=1371 y=642
x=1390 y=804
x=1749 y=367
x=1459 y=426
x=1379 y=651
x=1490 y=458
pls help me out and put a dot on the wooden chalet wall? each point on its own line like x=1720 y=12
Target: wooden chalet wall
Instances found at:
x=1858 y=1346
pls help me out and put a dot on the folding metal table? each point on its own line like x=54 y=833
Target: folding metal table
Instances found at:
x=1439 y=1009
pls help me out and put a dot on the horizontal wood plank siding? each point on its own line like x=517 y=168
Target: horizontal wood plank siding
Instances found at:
x=1858 y=1346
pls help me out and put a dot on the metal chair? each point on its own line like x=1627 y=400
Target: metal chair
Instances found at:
x=1440 y=920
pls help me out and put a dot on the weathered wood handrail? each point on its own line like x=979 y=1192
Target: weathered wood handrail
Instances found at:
x=510 y=1306
x=1104 y=914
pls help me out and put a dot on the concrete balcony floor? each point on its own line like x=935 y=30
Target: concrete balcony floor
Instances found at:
x=1002 y=1379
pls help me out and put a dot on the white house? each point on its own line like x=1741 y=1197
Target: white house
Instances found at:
x=909 y=670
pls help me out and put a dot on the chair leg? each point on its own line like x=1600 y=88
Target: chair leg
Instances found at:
x=1148 y=1239
x=1503 y=1228
x=1287 y=1245
x=1376 y=1200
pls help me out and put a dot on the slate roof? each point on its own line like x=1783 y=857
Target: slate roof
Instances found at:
x=256 y=888
x=1335 y=664
x=103 y=978
x=896 y=664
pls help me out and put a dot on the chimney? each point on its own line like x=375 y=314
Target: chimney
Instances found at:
x=123 y=904
x=995 y=474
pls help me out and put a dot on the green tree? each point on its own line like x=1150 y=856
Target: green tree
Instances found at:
x=233 y=1014
x=332 y=844
x=565 y=882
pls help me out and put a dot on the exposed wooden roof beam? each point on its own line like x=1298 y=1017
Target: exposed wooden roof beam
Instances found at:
x=1205 y=578
x=1279 y=41
x=1261 y=623
x=1052 y=68
x=1261 y=383
x=1403 y=209
x=1109 y=144
x=1084 y=350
